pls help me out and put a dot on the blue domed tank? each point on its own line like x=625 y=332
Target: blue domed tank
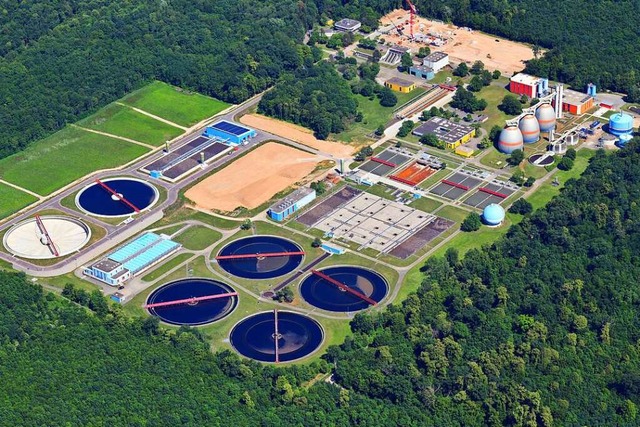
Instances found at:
x=530 y=129
x=624 y=139
x=493 y=214
x=620 y=123
x=510 y=140
x=546 y=116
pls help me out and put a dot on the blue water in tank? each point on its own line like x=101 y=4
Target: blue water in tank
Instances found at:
x=298 y=336
x=256 y=268
x=97 y=200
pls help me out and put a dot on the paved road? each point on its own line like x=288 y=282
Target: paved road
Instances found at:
x=117 y=234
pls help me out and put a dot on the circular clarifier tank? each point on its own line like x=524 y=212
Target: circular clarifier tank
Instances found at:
x=323 y=291
x=192 y=302
x=117 y=197
x=47 y=237
x=544 y=159
x=260 y=257
x=277 y=337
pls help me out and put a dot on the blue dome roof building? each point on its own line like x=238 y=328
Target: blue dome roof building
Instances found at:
x=620 y=124
x=493 y=214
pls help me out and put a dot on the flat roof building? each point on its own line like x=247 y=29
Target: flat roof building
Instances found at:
x=291 y=203
x=422 y=71
x=576 y=103
x=436 y=61
x=451 y=133
x=230 y=133
x=400 y=85
x=349 y=25
x=526 y=84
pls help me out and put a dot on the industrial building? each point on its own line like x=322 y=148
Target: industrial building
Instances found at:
x=531 y=86
x=577 y=103
x=132 y=259
x=436 y=61
x=230 y=133
x=451 y=133
x=292 y=203
x=400 y=85
x=347 y=25
x=422 y=71
x=393 y=55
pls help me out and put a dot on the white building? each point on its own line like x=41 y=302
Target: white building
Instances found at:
x=436 y=61
x=347 y=25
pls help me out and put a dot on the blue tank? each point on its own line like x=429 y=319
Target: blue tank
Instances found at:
x=493 y=214
x=620 y=124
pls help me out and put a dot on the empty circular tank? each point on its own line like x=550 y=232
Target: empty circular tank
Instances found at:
x=546 y=116
x=510 y=140
x=530 y=129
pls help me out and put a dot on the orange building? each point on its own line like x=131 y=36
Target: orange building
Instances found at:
x=577 y=103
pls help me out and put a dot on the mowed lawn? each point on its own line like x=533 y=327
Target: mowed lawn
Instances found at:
x=196 y=238
x=13 y=200
x=65 y=156
x=123 y=121
x=493 y=94
x=174 y=104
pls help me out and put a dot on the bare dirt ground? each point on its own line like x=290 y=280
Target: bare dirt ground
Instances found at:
x=253 y=179
x=462 y=45
x=298 y=134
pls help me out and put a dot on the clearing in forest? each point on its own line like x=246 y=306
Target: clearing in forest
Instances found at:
x=298 y=134
x=71 y=153
x=174 y=104
x=123 y=121
x=254 y=178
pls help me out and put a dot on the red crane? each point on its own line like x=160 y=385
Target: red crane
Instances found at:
x=191 y=300
x=412 y=14
x=260 y=255
x=43 y=231
x=118 y=196
x=344 y=287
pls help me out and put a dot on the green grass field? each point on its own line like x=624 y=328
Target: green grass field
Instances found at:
x=65 y=156
x=164 y=268
x=174 y=104
x=13 y=200
x=453 y=213
x=197 y=238
x=426 y=204
x=546 y=191
x=123 y=121
x=374 y=116
x=493 y=94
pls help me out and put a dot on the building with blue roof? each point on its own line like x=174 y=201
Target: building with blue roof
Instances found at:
x=131 y=259
x=230 y=133
x=493 y=215
x=620 y=124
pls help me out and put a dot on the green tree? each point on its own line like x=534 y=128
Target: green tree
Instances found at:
x=380 y=130
x=521 y=207
x=317 y=242
x=477 y=67
x=494 y=133
x=388 y=98
x=565 y=164
x=423 y=52
x=406 y=62
x=284 y=295
x=510 y=105
x=517 y=156
x=571 y=153
x=496 y=74
x=432 y=140
x=475 y=85
x=405 y=128
x=472 y=222
x=461 y=70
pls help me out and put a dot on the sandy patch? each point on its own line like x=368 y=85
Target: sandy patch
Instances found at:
x=462 y=45
x=253 y=179
x=298 y=134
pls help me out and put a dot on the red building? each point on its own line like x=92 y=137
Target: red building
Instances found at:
x=531 y=86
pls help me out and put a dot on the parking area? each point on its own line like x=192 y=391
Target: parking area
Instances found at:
x=456 y=185
x=494 y=192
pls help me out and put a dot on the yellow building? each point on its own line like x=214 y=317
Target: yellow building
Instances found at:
x=400 y=85
x=451 y=133
x=464 y=151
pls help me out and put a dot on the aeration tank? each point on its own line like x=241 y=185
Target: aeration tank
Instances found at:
x=510 y=140
x=546 y=116
x=530 y=129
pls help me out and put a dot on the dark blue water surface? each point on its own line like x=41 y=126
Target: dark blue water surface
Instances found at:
x=200 y=313
x=254 y=337
x=265 y=268
x=97 y=200
x=327 y=296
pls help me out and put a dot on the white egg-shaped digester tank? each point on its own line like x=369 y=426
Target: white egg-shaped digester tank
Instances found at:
x=546 y=116
x=510 y=140
x=530 y=129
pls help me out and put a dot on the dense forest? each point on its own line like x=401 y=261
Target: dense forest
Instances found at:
x=316 y=97
x=539 y=329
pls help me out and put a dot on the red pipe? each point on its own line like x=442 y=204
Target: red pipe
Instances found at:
x=384 y=162
x=404 y=181
x=191 y=300
x=120 y=197
x=493 y=193
x=344 y=287
x=266 y=255
x=43 y=230
x=455 y=184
